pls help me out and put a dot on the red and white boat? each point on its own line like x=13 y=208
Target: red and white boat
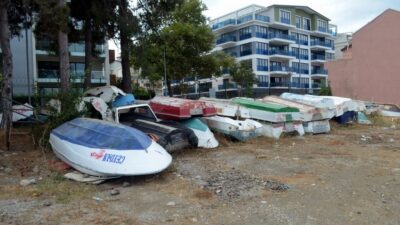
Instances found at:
x=178 y=108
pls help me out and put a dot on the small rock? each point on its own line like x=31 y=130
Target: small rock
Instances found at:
x=171 y=203
x=391 y=140
x=383 y=201
x=359 y=213
x=263 y=202
x=393 y=126
x=47 y=203
x=26 y=182
x=97 y=198
x=194 y=219
x=114 y=192
x=35 y=169
x=126 y=184
x=7 y=170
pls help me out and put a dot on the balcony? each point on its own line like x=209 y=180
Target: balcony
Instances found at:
x=279 y=38
x=226 y=41
x=317 y=59
x=280 y=70
x=262 y=35
x=281 y=54
x=320 y=45
x=262 y=68
x=319 y=73
x=244 y=19
x=245 y=53
x=305 y=57
x=262 y=84
x=53 y=76
x=316 y=86
x=302 y=42
x=226 y=24
x=299 y=85
x=227 y=86
x=302 y=71
x=261 y=51
x=262 y=18
x=245 y=36
x=285 y=20
x=280 y=84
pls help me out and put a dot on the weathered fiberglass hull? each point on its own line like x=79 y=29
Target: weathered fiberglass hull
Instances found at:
x=105 y=149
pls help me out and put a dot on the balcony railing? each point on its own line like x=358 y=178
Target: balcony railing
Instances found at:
x=262 y=84
x=319 y=71
x=280 y=84
x=285 y=20
x=281 y=52
x=299 y=85
x=226 y=86
x=245 y=36
x=302 y=71
x=316 y=85
x=224 y=23
x=262 y=68
x=281 y=68
x=245 y=52
x=321 y=43
x=302 y=42
x=244 y=19
x=262 y=35
x=282 y=36
x=262 y=18
x=322 y=29
x=262 y=51
x=317 y=57
x=301 y=56
x=225 y=39
x=55 y=74
x=76 y=47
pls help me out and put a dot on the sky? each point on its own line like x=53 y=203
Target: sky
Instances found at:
x=348 y=15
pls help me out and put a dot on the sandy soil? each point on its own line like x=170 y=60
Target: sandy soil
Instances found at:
x=350 y=176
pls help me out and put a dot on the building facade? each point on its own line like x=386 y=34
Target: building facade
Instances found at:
x=286 y=46
x=36 y=65
x=369 y=68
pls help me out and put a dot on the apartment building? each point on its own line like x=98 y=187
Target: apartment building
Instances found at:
x=36 y=65
x=285 y=45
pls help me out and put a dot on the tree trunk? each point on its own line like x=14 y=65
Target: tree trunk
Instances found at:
x=126 y=73
x=88 y=53
x=6 y=85
x=64 y=56
x=169 y=88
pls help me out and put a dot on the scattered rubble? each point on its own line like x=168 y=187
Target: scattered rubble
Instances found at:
x=26 y=182
x=114 y=192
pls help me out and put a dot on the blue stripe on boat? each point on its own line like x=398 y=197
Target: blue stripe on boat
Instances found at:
x=94 y=133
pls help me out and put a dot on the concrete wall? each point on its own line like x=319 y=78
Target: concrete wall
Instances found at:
x=373 y=71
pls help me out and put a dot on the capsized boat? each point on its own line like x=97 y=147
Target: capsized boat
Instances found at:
x=389 y=110
x=169 y=134
x=314 y=120
x=227 y=108
x=106 y=149
x=238 y=129
x=269 y=112
x=107 y=93
x=204 y=135
x=178 y=108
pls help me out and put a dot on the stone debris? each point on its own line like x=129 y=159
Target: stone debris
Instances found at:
x=171 y=203
x=126 y=184
x=47 y=203
x=114 y=192
x=230 y=185
x=26 y=182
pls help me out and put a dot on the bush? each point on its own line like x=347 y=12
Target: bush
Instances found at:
x=142 y=93
x=325 y=90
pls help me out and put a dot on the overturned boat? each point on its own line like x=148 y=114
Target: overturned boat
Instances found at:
x=178 y=108
x=225 y=107
x=204 y=135
x=106 y=149
x=238 y=129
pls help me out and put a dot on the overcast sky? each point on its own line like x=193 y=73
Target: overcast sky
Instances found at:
x=348 y=15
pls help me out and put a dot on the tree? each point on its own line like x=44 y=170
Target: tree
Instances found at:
x=53 y=21
x=98 y=19
x=243 y=75
x=13 y=14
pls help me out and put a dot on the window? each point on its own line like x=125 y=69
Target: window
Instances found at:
x=285 y=16
x=245 y=33
x=306 y=24
x=245 y=49
x=48 y=69
x=77 y=70
x=322 y=25
x=262 y=81
x=262 y=65
x=301 y=38
x=261 y=31
x=262 y=48
x=303 y=67
x=298 y=21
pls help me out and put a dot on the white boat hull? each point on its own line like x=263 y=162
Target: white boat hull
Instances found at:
x=239 y=129
x=317 y=127
x=109 y=162
x=227 y=108
x=206 y=139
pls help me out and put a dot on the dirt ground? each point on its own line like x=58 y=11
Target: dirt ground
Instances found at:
x=350 y=176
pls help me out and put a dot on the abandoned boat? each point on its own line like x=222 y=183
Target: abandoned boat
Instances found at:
x=106 y=149
x=225 y=107
x=169 y=134
x=203 y=133
x=389 y=110
x=238 y=129
x=178 y=108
